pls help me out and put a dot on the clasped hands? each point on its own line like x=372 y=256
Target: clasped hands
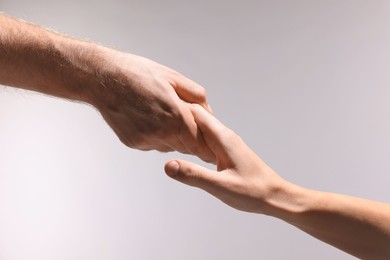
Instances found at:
x=165 y=111
x=152 y=107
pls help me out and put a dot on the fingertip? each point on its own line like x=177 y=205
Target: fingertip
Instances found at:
x=188 y=90
x=203 y=118
x=200 y=92
x=196 y=108
x=172 y=168
x=210 y=109
x=206 y=106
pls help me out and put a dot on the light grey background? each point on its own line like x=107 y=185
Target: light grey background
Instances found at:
x=305 y=83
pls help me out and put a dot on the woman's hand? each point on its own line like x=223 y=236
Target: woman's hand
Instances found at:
x=242 y=179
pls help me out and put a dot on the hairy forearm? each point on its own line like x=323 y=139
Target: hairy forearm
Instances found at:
x=37 y=59
x=357 y=226
x=141 y=100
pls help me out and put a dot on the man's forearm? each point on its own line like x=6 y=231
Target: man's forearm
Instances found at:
x=40 y=60
x=140 y=99
x=357 y=226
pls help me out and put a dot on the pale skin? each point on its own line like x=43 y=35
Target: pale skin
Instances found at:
x=242 y=180
x=145 y=103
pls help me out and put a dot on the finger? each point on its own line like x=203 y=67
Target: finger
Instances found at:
x=207 y=122
x=221 y=140
x=193 y=174
x=198 y=147
x=190 y=91
x=175 y=144
x=191 y=136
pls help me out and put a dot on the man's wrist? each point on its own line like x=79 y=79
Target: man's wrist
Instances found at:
x=78 y=68
x=41 y=60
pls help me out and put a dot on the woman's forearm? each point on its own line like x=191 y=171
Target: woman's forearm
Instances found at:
x=242 y=180
x=357 y=226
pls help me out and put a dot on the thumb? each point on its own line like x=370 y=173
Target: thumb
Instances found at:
x=192 y=174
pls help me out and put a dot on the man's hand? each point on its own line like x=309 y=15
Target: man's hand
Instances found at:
x=145 y=103
x=148 y=105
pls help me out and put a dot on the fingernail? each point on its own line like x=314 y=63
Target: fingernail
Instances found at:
x=173 y=168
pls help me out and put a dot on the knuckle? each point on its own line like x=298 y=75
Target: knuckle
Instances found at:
x=174 y=114
x=176 y=73
x=172 y=76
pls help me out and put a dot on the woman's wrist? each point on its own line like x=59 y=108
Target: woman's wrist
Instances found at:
x=287 y=201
